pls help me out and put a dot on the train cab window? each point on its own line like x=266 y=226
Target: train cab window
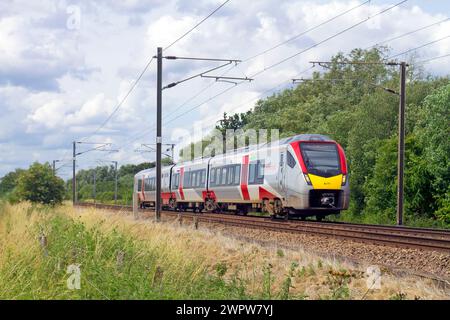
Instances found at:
x=290 y=160
x=139 y=185
x=256 y=172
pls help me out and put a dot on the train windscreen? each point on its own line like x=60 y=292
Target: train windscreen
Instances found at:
x=321 y=159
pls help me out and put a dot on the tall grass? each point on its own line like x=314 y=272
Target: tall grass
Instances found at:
x=121 y=258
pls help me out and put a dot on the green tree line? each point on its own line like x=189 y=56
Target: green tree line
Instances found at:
x=348 y=103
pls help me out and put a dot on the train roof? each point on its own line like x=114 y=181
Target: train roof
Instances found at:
x=299 y=137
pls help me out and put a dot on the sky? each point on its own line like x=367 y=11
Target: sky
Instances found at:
x=66 y=65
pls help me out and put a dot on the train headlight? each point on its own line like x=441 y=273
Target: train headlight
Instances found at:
x=344 y=179
x=307 y=179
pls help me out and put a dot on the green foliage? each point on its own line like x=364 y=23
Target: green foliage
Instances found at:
x=338 y=282
x=105 y=182
x=39 y=185
x=9 y=182
x=347 y=103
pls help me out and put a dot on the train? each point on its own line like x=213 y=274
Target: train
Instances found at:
x=299 y=176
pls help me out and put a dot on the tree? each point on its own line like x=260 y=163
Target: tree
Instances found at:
x=9 y=181
x=38 y=184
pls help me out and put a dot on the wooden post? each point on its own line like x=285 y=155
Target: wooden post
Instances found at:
x=195 y=223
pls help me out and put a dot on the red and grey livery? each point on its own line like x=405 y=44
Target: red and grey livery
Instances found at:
x=303 y=175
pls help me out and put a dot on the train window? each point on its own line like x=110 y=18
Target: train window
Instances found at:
x=187 y=180
x=175 y=178
x=260 y=172
x=139 y=185
x=256 y=172
x=230 y=180
x=203 y=177
x=290 y=160
x=152 y=185
x=223 y=176
x=212 y=178
x=237 y=173
x=193 y=179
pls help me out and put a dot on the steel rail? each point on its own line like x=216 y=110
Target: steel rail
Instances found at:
x=402 y=237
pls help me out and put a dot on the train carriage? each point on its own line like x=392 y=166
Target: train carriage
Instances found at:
x=302 y=176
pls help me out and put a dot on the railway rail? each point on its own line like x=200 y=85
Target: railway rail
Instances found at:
x=402 y=237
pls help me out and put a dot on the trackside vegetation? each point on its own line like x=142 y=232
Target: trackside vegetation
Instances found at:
x=44 y=248
x=347 y=103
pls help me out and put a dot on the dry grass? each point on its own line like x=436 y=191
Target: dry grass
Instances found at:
x=211 y=264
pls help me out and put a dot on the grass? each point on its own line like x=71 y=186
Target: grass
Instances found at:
x=121 y=258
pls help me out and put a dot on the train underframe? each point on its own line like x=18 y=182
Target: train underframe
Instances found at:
x=272 y=207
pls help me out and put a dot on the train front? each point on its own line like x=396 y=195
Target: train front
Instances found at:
x=322 y=179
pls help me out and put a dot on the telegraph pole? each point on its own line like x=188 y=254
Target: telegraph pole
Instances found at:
x=74 y=183
x=158 y=132
x=401 y=144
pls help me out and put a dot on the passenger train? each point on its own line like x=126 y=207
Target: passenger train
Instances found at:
x=304 y=175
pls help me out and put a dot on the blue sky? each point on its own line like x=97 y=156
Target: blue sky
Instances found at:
x=65 y=65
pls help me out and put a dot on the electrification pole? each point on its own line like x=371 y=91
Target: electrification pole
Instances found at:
x=74 y=183
x=115 y=183
x=158 y=132
x=401 y=144
x=75 y=154
x=95 y=186
x=401 y=124
x=159 y=89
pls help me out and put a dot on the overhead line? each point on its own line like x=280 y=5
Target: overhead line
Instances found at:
x=268 y=50
x=263 y=52
x=198 y=24
x=408 y=33
x=121 y=102
x=432 y=59
x=419 y=47
x=305 y=32
x=146 y=67
x=329 y=38
x=292 y=56
x=280 y=62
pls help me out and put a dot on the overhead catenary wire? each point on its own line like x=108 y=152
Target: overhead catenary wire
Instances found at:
x=196 y=26
x=419 y=47
x=330 y=37
x=141 y=74
x=408 y=33
x=432 y=59
x=280 y=62
x=255 y=56
x=119 y=105
x=294 y=55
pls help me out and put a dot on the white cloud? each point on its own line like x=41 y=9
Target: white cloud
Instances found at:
x=57 y=85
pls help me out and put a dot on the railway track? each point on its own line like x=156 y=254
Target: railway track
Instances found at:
x=402 y=237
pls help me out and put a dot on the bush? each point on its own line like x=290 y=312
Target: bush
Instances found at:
x=38 y=184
